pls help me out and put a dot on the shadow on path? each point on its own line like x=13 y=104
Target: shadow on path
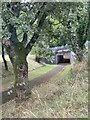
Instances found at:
x=34 y=82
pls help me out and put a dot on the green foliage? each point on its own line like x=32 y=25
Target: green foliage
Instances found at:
x=64 y=18
x=41 y=49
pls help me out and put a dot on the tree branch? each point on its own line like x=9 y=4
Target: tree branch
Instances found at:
x=37 y=14
x=36 y=34
x=25 y=37
x=12 y=30
x=87 y=28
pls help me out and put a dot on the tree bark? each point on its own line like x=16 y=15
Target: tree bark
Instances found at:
x=4 y=60
x=77 y=49
x=74 y=44
x=17 y=55
x=21 y=78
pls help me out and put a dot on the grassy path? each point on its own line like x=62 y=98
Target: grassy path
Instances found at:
x=47 y=76
x=40 y=71
x=34 y=82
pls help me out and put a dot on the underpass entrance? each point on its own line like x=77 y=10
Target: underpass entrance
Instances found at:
x=61 y=59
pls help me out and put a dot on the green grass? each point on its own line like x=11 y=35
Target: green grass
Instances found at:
x=40 y=71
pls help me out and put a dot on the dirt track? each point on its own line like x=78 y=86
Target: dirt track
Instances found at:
x=47 y=76
x=34 y=82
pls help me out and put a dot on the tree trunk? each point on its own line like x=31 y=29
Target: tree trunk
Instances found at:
x=37 y=59
x=21 y=78
x=77 y=49
x=75 y=45
x=3 y=56
x=17 y=55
